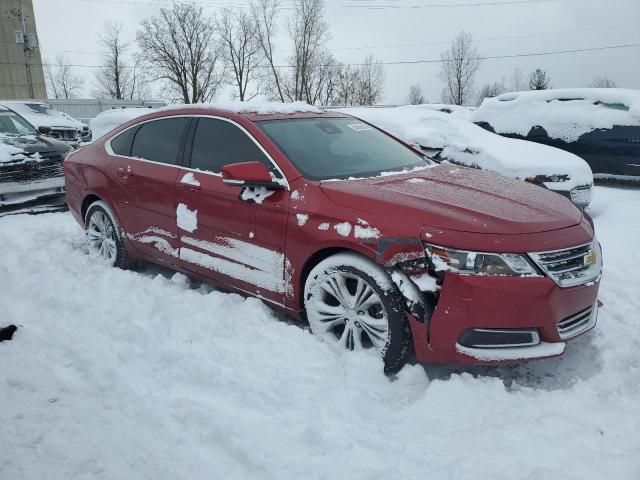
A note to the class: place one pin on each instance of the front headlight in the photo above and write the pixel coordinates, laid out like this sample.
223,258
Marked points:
477,263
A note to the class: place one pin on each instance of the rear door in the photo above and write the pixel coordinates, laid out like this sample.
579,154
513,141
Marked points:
146,166
217,223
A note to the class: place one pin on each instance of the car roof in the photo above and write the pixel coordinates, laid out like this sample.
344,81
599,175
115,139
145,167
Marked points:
252,111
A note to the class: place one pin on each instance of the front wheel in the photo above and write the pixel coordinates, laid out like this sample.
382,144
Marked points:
103,236
352,303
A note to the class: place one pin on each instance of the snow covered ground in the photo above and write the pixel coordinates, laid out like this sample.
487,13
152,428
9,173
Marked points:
142,375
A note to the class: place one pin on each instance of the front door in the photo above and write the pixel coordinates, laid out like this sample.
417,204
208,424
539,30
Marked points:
217,223
145,167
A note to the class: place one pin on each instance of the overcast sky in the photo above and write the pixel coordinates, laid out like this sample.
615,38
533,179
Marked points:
404,30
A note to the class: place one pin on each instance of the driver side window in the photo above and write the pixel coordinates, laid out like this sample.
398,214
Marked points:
217,143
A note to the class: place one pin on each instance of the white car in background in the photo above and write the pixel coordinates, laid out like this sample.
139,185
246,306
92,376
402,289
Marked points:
445,136
106,121
51,122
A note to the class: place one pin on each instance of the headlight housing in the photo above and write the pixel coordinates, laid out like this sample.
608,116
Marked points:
479,263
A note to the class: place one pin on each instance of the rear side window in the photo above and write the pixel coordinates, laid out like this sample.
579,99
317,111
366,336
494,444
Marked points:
159,140
217,143
121,144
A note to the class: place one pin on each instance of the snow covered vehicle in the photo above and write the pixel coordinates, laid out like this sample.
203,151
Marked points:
31,167
51,122
106,121
447,136
601,125
332,219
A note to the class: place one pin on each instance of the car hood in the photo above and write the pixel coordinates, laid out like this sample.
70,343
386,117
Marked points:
458,198
16,148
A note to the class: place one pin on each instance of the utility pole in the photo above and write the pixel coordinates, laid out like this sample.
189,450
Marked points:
27,47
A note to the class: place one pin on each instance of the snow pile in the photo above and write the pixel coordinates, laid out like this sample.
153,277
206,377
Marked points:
462,142
258,107
135,374
565,114
457,110
108,120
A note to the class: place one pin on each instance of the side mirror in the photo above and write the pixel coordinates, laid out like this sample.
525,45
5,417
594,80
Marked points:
249,174
44,130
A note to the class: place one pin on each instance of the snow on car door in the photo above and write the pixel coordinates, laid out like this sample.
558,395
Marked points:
216,222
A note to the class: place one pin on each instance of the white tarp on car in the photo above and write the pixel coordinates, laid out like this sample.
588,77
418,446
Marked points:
467,144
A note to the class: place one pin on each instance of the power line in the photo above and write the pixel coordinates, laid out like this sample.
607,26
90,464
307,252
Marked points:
435,60
368,6
422,44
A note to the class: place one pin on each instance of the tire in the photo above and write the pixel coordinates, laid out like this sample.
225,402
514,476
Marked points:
104,237
353,304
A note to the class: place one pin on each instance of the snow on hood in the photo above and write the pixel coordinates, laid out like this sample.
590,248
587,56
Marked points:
106,121
259,107
565,114
9,153
43,115
468,144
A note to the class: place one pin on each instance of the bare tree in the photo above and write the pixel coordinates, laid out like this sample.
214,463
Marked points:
371,81
459,66
180,46
415,95
602,82
538,80
309,33
60,79
517,81
346,86
264,13
116,78
491,90
241,48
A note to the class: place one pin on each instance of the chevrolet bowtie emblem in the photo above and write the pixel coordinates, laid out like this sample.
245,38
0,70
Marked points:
591,258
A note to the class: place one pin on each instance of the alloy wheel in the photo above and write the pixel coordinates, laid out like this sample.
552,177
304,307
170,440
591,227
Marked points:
101,236
348,311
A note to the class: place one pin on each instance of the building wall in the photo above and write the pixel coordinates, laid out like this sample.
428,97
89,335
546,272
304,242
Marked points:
13,72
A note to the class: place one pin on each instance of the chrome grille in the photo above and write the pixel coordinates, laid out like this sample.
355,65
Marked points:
32,170
64,134
578,323
571,266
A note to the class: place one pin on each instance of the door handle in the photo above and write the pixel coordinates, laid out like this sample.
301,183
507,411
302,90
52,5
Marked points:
124,172
189,187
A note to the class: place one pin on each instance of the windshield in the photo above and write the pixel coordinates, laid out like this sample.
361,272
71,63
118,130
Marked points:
324,148
13,124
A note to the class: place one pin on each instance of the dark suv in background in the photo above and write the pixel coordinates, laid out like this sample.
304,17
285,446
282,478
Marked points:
601,125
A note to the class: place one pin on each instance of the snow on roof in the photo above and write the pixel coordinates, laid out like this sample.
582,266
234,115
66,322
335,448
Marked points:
42,114
565,114
259,107
108,120
467,144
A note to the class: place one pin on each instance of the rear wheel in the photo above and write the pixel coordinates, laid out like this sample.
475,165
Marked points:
352,303
103,236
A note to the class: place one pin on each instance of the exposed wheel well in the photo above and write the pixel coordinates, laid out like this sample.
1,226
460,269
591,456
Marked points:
88,200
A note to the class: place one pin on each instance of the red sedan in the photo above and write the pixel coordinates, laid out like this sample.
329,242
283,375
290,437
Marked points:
330,218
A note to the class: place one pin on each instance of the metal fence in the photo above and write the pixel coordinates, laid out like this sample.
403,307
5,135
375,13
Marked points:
86,109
